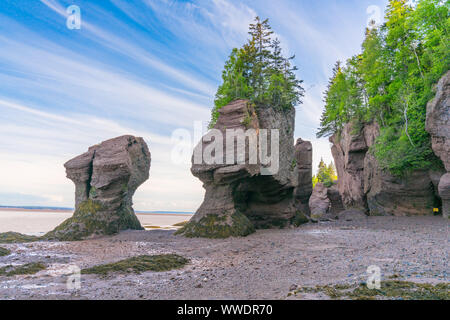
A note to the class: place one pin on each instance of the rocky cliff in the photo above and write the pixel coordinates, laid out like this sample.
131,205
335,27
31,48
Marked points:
438,125
349,150
105,178
363,185
249,194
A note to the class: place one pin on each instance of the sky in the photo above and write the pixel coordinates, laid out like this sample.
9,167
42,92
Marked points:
147,68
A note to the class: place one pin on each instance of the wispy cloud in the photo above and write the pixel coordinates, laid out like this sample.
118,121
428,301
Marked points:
132,50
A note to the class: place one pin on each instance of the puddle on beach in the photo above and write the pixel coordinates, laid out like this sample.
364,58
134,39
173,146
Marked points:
318,231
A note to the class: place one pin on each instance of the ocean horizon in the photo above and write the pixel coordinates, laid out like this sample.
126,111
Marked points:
50,209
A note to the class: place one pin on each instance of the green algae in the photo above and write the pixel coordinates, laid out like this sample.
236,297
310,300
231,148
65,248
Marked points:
181,224
299,219
83,223
390,289
140,264
216,227
26,269
4,252
88,220
15,237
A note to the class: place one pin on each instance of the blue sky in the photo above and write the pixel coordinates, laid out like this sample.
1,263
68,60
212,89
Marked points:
146,68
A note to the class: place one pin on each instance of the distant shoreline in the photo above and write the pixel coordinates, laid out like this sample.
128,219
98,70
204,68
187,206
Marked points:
37,210
156,213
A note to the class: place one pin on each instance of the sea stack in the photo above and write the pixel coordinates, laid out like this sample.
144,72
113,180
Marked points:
242,196
105,178
304,160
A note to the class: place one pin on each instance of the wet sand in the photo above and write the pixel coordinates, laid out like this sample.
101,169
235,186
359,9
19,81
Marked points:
265,265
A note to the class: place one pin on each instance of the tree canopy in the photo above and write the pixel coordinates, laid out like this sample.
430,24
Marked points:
391,81
326,174
260,73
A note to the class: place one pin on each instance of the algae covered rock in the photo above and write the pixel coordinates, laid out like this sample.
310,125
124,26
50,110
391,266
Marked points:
251,179
105,178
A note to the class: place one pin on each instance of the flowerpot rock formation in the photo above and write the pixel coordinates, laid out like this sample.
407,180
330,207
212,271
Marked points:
252,193
105,178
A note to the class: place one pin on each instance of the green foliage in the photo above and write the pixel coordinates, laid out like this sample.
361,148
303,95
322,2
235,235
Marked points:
326,174
259,72
139,264
391,81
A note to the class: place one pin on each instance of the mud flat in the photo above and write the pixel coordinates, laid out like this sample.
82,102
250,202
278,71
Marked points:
270,264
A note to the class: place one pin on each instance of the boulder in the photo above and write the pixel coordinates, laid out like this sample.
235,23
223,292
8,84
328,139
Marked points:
105,179
303,158
319,204
250,193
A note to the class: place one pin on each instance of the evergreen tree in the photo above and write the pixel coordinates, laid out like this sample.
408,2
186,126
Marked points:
259,72
325,174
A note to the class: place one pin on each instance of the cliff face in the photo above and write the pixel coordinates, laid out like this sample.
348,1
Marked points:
242,196
349,151
105,179
438,125
363,185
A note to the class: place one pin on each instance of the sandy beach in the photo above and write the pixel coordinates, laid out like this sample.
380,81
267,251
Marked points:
39,222
266,265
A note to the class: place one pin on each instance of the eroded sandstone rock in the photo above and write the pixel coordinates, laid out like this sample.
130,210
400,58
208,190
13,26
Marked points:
438,120
364,186
336,204
349,151
438,125
303,157
319,203
242,196
444,192
105,178
386,194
